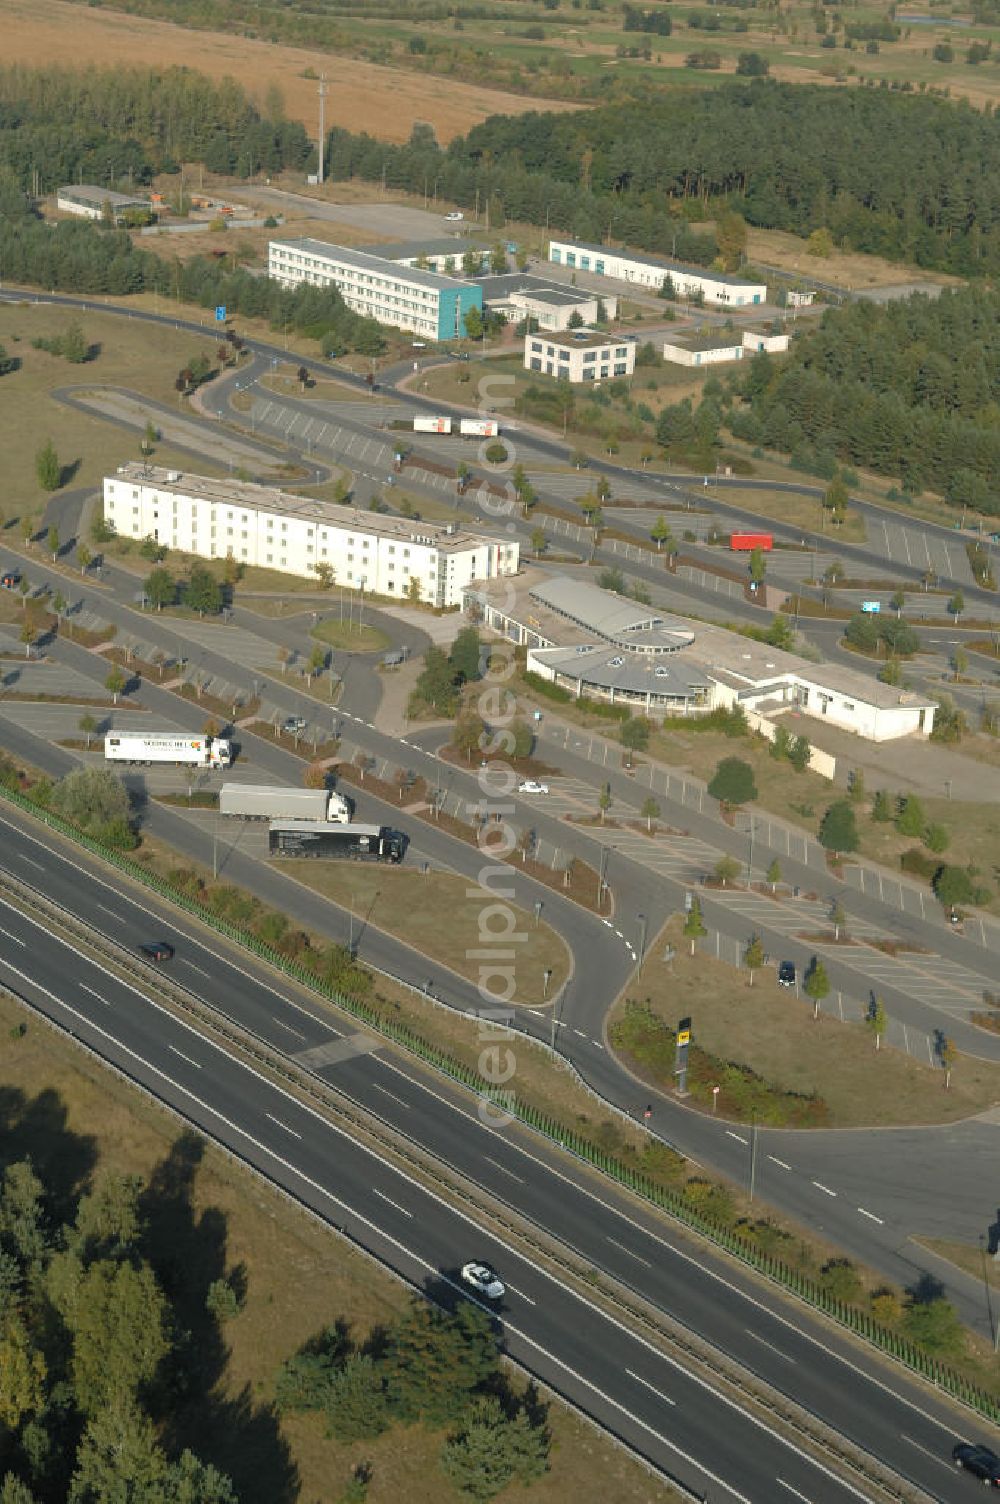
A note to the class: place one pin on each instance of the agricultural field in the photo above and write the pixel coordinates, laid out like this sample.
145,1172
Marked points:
493,56
37,31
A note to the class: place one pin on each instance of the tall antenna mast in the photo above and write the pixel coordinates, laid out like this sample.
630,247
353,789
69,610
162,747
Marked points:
322,125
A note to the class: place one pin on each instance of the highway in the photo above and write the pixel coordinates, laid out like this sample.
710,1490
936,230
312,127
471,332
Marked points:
681,1422
958,1160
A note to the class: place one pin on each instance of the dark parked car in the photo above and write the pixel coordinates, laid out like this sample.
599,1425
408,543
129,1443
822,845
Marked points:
786,974
10,579
294,725
156,950
979,1461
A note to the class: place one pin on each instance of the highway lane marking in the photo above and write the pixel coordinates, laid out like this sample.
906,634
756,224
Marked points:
278,1123
871,1216
638,1257
93,878
805,1499
738,1136
775,1160
105,910
520,1293
386,1092
549,1169
503,1168
181,1053
12,937
824,1188
199,969
282,1025
647,1385
926,1451
423,1263
100,999
764,1343
383,1197
30,860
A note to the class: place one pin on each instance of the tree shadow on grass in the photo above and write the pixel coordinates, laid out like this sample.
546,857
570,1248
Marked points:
187,1248
36,1128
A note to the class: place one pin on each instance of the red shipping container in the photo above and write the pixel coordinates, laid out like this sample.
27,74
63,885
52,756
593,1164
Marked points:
745,542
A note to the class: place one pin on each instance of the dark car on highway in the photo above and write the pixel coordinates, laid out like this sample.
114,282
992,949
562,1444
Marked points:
156,950
979,1461
786,974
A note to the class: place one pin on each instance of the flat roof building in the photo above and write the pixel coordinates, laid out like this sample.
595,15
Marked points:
444,255
420,302
88,201
579,355
652,272
299,535
603,646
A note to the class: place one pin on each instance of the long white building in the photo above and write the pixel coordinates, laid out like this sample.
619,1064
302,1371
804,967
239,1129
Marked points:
261,525
653,271
422,302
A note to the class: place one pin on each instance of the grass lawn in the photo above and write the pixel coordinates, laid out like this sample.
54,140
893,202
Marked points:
142,358
767,1028
432,913
351,636
975,837
73,1117
798,511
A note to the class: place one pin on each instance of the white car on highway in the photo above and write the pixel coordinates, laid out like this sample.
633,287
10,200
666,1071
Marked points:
529,786
454,216
484,1280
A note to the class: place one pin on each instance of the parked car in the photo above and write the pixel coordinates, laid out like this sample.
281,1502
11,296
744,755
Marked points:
156,950
454,216
484,1280
529,786
10,579
293,725
458,354
786,974
979,1461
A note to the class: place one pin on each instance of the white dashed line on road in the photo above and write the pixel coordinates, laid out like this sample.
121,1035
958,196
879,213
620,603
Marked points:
284,1126
173,1048
503,1169
638,1258
100,999
775,1160
737,1136
764,1343
383,1197
824,1188
871,1216
647,1385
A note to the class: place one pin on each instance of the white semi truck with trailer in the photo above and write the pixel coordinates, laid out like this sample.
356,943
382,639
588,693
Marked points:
260,802
167,747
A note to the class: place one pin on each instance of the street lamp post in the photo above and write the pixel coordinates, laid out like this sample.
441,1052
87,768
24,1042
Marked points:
546,979
642,942
750,858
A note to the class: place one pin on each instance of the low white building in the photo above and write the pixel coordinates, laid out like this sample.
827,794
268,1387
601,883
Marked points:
653,271
580,355
757,342
799,298
423,303
594,643
261,525
703,349
88,200
448,255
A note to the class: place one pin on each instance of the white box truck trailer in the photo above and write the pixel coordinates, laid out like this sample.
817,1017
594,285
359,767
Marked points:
481,428
432,425
167,747
263,802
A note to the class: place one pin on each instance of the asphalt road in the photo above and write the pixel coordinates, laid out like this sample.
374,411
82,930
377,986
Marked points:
967,1178
682,1423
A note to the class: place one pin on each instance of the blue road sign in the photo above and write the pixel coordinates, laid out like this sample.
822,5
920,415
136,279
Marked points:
872,606
220,314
